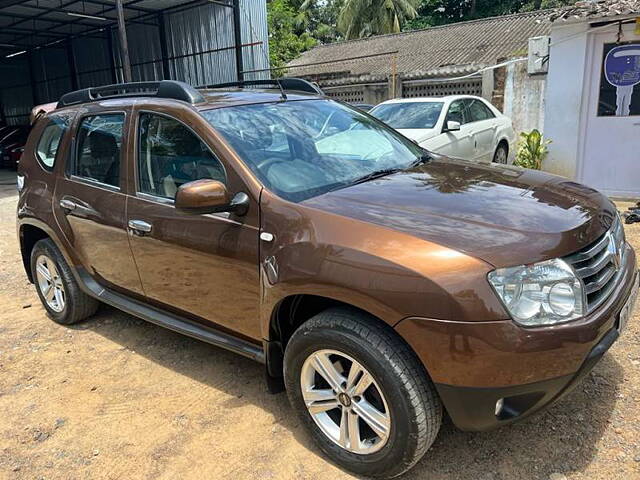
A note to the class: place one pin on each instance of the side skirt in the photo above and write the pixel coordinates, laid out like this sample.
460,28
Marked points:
170,321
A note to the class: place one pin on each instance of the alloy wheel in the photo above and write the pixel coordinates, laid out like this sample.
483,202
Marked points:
500,156
50,283
345,401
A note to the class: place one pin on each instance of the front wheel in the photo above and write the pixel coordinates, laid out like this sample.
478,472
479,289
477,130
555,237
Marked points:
362,393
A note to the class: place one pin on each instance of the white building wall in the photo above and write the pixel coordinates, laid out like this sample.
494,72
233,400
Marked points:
524,98
564,97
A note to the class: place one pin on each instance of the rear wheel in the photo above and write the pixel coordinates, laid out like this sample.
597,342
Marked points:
501,155
361,392
57,288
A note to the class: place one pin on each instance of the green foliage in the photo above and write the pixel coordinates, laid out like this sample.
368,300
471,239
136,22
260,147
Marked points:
297,25
362,18
287,37
532,150
441,12
532,5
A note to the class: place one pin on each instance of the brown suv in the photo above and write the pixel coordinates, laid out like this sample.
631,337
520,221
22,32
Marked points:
377,282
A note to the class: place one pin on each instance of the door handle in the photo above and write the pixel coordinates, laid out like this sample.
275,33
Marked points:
139,227
68,204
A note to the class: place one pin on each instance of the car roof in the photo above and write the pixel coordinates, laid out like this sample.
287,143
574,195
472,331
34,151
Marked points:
446,99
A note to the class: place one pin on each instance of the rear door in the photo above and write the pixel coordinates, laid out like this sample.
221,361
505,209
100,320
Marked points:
483,125
89,202
200,265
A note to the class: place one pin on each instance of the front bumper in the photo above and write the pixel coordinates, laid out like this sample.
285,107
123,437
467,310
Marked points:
474,364
473,409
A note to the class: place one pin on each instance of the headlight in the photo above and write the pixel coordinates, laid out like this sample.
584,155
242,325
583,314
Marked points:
544,293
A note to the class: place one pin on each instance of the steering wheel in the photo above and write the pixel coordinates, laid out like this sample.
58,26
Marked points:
266,163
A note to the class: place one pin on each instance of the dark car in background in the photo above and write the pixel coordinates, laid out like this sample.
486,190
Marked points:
12,140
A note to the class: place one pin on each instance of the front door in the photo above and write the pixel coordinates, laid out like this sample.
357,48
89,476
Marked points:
89,204
201,265
459,143
610,157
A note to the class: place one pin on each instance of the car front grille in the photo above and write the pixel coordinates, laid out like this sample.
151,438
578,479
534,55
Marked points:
600,265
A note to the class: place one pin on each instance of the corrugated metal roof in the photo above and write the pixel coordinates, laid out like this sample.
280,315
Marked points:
597,8
433,52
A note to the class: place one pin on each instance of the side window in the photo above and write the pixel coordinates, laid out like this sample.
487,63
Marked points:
457,112
170,155
99,145
50,141
479,111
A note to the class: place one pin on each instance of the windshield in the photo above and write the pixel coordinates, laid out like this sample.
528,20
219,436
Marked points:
409,115
301,149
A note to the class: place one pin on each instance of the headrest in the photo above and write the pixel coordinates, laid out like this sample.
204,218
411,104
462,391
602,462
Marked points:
102,144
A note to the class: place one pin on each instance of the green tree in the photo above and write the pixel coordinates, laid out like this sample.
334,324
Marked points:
441,12
297,25
288,36
362,18
543,4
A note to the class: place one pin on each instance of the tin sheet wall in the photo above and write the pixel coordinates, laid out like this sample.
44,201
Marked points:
200,49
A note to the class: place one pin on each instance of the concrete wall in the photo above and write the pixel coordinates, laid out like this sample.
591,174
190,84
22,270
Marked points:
524,98
564,98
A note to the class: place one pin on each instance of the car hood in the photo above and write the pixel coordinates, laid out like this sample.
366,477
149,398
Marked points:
503,215
419,135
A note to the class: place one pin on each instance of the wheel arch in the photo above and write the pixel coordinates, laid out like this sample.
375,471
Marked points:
293,311
30,231
504,141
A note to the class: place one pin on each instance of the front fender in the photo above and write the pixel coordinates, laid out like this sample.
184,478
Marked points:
388,273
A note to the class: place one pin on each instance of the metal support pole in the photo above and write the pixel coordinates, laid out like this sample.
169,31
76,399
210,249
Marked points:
112,61
124,44
237,34
166,73
71,59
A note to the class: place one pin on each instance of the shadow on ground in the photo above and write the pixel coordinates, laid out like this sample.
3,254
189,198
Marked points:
561,439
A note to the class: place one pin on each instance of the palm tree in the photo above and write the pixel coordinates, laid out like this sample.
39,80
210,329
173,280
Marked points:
361,18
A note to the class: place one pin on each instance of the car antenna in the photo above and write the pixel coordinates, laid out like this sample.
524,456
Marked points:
283,95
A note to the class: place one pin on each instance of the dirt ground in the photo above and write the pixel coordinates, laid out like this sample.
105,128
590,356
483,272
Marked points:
118,398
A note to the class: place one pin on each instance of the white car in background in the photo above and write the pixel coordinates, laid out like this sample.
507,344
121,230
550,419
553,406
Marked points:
460,126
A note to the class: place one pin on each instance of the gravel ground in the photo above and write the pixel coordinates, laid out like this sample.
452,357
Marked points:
117,398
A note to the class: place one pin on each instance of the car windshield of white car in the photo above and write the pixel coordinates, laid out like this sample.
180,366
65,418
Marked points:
409,115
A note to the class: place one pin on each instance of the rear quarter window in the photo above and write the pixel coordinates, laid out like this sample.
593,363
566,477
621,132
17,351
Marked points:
49,142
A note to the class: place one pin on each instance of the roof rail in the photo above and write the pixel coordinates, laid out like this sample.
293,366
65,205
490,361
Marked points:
162,89
285,83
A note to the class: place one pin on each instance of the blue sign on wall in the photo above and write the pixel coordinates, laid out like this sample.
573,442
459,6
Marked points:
621,69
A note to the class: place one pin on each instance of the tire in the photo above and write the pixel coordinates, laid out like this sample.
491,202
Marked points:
414,412
501,154
76,305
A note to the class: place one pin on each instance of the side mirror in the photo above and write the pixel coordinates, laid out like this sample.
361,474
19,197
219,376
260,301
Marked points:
209,196
452,126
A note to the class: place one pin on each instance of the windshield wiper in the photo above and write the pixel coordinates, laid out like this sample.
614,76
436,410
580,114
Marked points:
422,159
426,157
375,174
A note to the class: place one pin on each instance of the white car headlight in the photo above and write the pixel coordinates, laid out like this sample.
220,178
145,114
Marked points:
544,293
